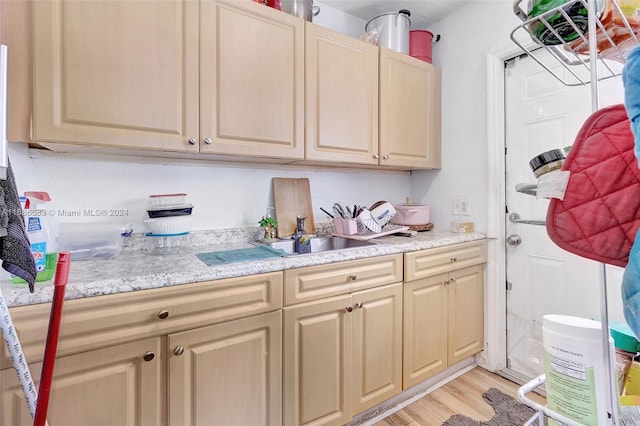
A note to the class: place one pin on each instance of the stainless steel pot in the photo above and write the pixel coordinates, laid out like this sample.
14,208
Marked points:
301,8
393,30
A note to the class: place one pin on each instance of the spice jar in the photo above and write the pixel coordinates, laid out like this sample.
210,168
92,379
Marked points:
547,162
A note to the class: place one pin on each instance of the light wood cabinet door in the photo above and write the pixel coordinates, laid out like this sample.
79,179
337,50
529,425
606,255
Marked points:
425,329
227,374
341,97
410,112
251,80
377,345
317,362
110,386
465,313
16,33
116,73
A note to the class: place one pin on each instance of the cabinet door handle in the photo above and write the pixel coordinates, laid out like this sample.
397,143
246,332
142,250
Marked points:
192,141
178,350
353,277
446,282
454,259
349,308
208,141
386,157
453,279
359,305
376,156
163,314
149,356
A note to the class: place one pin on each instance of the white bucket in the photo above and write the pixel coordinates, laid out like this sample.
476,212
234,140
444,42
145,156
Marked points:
576,374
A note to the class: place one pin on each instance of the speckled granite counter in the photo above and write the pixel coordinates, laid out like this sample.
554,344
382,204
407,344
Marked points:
135,269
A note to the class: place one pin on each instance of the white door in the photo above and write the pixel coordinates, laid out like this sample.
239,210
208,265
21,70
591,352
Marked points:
543,114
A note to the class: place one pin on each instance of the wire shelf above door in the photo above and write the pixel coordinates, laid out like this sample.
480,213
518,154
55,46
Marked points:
558,40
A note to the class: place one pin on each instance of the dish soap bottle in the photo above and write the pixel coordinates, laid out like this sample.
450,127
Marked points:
301,238
42,232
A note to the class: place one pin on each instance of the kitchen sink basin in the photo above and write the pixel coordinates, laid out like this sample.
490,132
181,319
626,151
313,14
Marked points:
321,244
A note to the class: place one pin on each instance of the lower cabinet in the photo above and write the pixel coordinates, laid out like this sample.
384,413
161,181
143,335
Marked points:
119,385
342,355
443,322
227,374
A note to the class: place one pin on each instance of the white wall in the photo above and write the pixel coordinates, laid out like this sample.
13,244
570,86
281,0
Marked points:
466,37
225,196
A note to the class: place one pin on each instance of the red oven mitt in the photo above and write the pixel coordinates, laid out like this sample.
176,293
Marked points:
600,213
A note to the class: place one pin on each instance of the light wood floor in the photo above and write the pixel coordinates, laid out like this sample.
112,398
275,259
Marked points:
460,396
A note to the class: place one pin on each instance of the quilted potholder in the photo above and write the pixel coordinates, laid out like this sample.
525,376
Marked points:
600,213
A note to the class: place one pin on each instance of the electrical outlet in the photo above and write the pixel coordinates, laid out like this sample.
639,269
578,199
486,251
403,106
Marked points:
461,206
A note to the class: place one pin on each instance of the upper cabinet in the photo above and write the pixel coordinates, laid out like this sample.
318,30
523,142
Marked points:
368,105
171,75
232,79
16,33
252,80
341,75
116,73
410,112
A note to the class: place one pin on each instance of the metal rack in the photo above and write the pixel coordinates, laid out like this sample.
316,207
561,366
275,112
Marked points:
576,59
568,58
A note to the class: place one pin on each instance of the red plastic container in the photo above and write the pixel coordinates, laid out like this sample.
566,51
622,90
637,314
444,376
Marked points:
420,44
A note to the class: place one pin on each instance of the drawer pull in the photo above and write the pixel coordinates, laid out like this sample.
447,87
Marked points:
178,350
349,308
353,277
163,314
149,356
454,259
359,305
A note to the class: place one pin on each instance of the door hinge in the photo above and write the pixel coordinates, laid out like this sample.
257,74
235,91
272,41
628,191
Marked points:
509,285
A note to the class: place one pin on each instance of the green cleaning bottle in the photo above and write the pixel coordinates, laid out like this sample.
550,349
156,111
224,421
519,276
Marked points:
42,232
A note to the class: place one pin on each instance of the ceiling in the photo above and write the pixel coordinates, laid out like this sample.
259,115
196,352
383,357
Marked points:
423,12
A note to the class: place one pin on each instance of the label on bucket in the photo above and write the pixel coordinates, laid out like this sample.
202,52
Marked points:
571,387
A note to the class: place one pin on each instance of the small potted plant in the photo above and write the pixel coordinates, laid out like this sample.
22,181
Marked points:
269,224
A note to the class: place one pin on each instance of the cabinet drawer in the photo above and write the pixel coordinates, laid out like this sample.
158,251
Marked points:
316,282
105,320
425,263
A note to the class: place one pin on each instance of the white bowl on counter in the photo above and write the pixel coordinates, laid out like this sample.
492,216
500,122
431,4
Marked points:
169,225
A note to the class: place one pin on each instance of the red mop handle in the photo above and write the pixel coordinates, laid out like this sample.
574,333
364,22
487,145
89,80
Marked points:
44,390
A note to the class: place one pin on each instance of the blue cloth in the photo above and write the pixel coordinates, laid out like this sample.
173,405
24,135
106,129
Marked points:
631,277
631,288
631,82
240,255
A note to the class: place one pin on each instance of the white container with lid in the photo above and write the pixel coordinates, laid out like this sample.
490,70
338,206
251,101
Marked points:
392,29
576,374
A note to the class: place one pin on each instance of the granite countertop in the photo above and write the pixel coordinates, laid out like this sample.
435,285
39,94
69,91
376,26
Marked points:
136,269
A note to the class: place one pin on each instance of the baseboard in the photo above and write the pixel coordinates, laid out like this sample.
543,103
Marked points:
414,393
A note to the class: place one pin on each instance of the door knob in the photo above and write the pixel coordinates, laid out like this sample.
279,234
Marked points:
514,240
149,356
178,350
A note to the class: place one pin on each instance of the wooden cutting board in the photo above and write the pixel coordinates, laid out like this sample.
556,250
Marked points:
292,198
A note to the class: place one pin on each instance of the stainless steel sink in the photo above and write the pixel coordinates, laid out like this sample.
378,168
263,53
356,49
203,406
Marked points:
322,244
